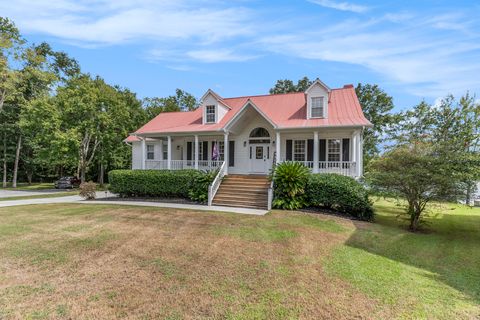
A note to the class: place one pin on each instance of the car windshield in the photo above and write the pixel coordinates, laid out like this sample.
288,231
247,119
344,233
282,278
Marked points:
65,179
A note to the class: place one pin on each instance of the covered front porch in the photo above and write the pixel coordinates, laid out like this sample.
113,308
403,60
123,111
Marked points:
255,153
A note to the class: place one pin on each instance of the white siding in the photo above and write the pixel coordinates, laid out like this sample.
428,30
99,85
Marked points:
136,155
317,91
220,109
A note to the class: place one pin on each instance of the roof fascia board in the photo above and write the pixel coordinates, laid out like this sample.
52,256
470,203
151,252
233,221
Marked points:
235,118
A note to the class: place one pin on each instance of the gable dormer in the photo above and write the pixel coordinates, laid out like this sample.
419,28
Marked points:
317,100
214,109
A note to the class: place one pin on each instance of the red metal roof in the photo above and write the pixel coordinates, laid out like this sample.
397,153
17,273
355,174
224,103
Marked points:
283,110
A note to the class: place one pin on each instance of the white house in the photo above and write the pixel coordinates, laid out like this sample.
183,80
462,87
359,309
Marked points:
320,127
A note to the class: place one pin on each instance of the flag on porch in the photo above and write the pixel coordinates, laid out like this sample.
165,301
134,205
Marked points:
215,154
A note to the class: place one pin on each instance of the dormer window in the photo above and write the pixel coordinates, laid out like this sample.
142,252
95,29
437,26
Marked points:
317,107
210,114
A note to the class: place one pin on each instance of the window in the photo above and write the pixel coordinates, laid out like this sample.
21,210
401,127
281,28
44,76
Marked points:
317,107
299,150
150,152
210,114
165,150
221,150
334,150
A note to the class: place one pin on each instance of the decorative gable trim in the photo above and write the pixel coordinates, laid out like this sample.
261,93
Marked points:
318,82
249,102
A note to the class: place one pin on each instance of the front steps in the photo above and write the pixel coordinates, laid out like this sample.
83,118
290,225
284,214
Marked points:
244,191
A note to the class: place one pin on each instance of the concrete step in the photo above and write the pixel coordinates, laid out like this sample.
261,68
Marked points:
241,204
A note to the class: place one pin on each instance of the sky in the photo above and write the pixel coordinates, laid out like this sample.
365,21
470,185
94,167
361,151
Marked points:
414,50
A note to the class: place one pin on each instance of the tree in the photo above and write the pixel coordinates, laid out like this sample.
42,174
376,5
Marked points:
414,171
287,86
452,128
181,101
377,106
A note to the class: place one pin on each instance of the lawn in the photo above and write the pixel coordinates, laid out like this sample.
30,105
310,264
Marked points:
96,261
42,196
31,187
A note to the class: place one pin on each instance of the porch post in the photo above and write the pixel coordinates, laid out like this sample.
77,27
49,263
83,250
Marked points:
142,141
315,152
225,151
278,145
360,153
354,153
169,152
196,152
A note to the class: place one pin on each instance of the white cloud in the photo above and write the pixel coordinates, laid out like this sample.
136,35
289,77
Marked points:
114,22
220,55
343,6
426,63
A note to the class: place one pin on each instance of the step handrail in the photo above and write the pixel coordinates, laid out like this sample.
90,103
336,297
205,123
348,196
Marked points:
213,188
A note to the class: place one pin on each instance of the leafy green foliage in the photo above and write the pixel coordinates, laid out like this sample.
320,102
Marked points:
199,189
340,193
287,86
289,179
416,173
377,106
188,184
181,101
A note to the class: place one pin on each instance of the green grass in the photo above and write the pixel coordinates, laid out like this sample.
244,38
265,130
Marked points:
123,261
31,187
434,273
41,196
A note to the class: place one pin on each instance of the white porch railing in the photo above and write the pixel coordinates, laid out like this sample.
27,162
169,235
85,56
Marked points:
346,168
182,164
213,188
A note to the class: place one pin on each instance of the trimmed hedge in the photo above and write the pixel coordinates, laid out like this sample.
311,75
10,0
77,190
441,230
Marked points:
155,183
340,193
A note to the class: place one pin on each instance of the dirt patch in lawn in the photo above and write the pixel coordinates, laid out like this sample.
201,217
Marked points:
99,262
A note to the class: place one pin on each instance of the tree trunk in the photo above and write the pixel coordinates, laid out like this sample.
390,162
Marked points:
17,159
29,177
101,179
82,173
4,184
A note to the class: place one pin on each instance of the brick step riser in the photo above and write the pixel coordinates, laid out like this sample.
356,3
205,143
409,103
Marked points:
241,206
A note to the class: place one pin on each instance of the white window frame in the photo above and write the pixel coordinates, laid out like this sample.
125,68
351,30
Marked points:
294,152
314,106
164,150
221,150
210,113
339,153
150,152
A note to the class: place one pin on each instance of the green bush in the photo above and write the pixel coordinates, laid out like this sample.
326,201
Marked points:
289,179
153,183
199,188
340,193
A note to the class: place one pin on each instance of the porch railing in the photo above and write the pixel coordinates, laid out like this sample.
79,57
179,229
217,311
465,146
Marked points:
213,188
346,168
182,164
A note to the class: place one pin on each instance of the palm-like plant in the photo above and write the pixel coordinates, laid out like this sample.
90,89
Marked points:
289,180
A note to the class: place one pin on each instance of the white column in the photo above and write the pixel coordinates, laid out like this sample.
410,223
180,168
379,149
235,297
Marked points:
225,151
169,152
315,152
278,145
360,153
144,151
196,152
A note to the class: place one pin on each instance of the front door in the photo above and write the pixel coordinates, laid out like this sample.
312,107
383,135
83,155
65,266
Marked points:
259,158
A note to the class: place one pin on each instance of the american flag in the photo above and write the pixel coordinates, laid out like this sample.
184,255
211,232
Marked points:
215,154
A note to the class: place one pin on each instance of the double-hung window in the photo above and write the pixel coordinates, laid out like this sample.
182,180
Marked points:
299,150
210,114
221,150
165,150
334,153
150,152
317,109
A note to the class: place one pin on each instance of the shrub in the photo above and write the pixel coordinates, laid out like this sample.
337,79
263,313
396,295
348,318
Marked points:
188,184
88,190
289,180
339,193
199,188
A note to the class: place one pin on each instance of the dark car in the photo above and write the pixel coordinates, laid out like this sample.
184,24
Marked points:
67,183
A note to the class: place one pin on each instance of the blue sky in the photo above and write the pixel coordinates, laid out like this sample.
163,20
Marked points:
413,49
